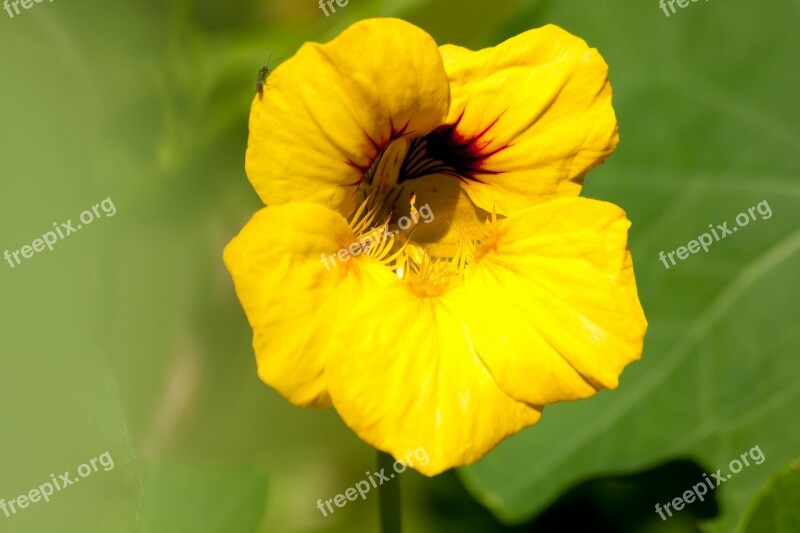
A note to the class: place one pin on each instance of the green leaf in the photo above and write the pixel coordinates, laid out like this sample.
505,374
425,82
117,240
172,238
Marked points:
708,130
777,507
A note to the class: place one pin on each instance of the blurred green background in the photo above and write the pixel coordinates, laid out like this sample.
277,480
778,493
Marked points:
128,338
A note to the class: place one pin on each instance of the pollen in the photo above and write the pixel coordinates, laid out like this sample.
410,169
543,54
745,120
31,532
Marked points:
433,276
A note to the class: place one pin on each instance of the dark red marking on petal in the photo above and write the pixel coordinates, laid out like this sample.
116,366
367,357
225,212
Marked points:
378,147
445,151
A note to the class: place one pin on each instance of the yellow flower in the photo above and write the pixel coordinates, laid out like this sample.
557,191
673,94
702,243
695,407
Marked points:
424,264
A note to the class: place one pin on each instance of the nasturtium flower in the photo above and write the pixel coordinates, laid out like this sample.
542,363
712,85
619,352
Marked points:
424,263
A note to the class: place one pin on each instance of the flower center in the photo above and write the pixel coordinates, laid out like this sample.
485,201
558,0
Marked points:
415,186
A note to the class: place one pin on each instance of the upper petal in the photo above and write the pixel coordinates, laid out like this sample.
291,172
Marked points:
535,112
551,301
412,379
293,298
326,112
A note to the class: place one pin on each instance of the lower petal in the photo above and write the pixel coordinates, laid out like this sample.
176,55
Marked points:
551,301
413,380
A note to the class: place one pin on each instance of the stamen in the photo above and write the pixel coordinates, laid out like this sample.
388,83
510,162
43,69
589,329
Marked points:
375,241
432,276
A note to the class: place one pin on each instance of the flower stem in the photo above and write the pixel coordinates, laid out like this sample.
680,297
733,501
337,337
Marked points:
389,496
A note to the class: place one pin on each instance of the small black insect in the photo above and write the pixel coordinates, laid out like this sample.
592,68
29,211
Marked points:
262,78
263,74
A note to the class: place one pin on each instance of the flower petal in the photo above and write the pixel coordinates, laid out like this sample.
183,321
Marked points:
326,112
551,301
534,112
292,299
412,379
